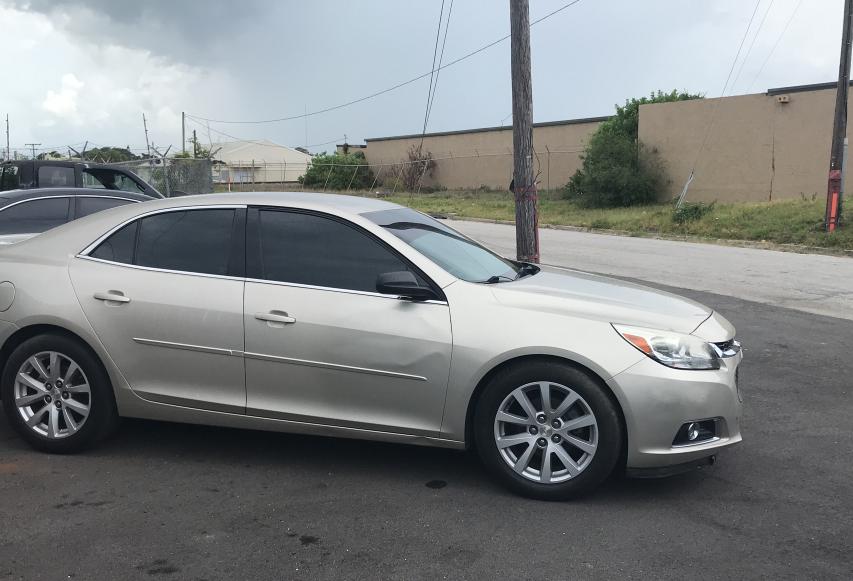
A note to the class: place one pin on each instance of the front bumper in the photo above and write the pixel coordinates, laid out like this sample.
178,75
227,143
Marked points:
658,400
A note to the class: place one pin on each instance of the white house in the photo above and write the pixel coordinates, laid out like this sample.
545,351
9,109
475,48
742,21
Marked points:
257,161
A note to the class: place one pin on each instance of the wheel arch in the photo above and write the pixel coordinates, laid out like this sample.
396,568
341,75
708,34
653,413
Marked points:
484,381
23,334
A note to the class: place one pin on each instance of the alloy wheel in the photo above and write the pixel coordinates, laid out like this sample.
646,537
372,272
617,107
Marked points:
52,394
546,432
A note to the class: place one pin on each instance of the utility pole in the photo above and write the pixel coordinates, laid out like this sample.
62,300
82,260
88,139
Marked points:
839,126
8,148
523,178
195,145
33,145
184,131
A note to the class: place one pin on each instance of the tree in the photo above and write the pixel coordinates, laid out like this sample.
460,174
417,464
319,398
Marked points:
617,169
108,154
338,172
418,165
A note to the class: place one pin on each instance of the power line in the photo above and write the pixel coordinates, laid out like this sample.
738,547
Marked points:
726,85
432,69
440,60
752,44
389,89
717,106
775,45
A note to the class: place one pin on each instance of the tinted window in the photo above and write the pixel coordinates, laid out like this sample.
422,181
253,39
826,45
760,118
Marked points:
191,241
90,205
34,217
119,247
10,180
110,180
56,177
308,249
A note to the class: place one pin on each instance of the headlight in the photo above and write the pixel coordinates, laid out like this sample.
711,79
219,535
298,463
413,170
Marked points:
670,348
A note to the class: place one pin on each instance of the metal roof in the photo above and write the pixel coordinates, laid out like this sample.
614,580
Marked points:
499,128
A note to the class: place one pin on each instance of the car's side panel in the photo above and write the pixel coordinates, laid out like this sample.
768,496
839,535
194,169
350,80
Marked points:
179,338
487,333
347,359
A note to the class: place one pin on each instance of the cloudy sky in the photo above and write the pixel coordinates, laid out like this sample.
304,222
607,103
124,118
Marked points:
78,70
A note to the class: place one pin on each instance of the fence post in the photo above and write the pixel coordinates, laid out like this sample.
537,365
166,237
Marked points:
331,167
353,177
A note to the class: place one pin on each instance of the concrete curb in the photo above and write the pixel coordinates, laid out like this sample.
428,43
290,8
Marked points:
795,248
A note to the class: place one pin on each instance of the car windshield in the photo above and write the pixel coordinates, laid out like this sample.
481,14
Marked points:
452,251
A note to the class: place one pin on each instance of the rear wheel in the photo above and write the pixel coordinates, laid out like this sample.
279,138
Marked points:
547,430
56,394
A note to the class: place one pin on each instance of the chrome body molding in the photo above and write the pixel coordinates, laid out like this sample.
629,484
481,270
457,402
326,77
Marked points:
275,358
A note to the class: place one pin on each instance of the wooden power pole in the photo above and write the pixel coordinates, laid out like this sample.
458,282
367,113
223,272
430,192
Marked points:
839,125
523,177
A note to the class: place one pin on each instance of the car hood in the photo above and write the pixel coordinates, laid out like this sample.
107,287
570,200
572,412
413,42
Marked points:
8,239
573,292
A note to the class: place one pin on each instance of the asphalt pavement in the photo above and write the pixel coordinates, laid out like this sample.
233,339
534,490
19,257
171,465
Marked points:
813,283
166,501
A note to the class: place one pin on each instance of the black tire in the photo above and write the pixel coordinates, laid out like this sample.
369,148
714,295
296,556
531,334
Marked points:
609,428
102,418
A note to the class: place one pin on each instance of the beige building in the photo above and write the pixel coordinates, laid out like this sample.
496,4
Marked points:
759,147
257,161
483,157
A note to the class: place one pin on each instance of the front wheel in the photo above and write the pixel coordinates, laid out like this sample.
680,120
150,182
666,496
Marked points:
56,395
547,430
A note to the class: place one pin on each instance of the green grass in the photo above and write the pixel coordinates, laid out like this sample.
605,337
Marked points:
784,222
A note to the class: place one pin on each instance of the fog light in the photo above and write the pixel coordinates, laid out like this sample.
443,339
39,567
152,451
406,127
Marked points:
697,432
692,431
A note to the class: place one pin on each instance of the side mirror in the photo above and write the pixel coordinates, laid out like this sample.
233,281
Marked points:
404,285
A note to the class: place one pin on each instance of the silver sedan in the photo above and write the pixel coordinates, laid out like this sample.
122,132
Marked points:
353,317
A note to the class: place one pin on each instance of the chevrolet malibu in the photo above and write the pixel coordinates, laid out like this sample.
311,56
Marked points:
353,317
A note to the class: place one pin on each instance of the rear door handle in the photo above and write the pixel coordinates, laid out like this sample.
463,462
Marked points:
276,317
112,297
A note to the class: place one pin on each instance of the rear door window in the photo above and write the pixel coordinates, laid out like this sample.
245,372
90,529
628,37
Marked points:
35,216
89,205
51,176
195,241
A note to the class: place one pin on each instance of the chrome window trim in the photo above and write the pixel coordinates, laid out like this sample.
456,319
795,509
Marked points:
19,202
88,249
252,280
163,270
337,290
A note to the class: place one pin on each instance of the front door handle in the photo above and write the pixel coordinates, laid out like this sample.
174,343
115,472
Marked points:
276,317
112,297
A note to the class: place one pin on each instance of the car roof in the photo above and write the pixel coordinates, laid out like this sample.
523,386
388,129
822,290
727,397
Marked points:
13,196
308,200
61,163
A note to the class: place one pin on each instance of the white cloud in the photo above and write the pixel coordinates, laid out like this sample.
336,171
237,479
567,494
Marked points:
64,102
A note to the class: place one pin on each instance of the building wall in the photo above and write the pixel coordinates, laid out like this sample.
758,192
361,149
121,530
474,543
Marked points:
758,149
470,159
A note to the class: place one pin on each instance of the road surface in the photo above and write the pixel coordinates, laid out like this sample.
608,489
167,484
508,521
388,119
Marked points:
813,283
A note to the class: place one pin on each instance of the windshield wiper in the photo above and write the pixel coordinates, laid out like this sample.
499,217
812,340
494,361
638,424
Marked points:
526,269
496,279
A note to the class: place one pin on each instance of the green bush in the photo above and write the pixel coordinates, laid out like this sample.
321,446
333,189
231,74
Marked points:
691,212
617,169
338,172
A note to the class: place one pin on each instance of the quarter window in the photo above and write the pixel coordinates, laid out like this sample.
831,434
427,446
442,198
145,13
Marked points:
91,205
197,241
318,251
35,216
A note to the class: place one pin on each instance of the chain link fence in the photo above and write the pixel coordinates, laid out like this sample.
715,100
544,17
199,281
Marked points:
174,177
